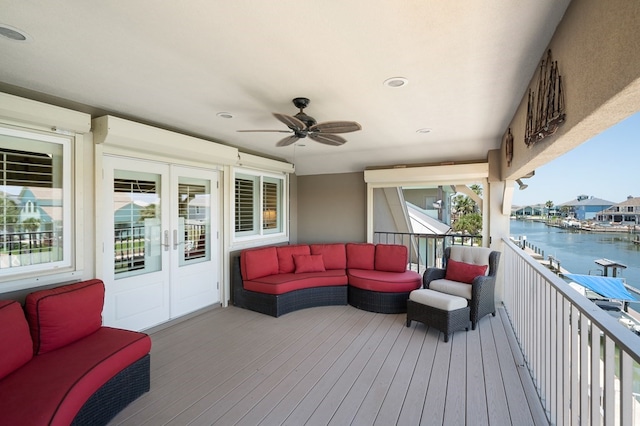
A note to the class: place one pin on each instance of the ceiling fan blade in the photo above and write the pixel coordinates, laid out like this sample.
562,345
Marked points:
277,131
336,127
328,139
291,122
288,141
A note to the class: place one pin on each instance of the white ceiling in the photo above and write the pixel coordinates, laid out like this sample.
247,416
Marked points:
176,64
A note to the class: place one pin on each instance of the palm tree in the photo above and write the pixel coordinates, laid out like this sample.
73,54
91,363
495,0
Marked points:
548,205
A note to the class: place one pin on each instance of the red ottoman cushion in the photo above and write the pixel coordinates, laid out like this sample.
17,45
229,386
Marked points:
16,348
62,315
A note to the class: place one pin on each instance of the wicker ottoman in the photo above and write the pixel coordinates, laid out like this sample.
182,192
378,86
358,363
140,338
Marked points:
442,311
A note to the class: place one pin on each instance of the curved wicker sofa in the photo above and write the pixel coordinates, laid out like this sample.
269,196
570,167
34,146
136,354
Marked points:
60,366
276,280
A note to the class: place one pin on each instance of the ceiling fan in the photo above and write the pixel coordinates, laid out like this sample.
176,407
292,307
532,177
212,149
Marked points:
302,125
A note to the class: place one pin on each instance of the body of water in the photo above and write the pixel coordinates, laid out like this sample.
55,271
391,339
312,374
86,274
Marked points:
577,250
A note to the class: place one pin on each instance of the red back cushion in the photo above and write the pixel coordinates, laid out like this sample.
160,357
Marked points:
308,263
16,347
333,255
464,272
391,258
360,256
62,315
256,263
285,257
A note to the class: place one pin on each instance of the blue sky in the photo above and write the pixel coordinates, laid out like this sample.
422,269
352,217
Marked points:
606,166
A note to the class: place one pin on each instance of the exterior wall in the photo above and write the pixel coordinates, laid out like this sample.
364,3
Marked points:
331,208
596,49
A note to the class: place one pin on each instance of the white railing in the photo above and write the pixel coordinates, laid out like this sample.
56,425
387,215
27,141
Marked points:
578,383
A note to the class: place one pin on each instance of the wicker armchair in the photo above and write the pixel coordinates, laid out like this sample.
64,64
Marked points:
481,292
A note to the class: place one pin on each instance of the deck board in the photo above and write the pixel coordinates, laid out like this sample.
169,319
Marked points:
331,365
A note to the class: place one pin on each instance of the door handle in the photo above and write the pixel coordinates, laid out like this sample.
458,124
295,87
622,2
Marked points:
166,240
175,239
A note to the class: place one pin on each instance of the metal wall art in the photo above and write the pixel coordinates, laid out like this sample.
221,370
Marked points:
508,142
545,110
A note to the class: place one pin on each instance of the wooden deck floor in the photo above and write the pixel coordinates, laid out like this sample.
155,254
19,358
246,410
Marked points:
332,365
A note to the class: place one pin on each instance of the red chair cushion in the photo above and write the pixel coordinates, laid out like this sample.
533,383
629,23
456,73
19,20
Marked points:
308,263
286,264
16,348
391,258
284,283
333,255
360,256
62,315
256,263
463,272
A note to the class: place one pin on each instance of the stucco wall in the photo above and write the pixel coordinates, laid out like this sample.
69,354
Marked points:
596,46
331,208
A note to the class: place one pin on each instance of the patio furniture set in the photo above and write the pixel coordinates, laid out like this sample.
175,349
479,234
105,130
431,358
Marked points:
276,280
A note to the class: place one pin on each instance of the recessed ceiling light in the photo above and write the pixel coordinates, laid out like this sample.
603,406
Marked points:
12,33
423,130
396,82
224,115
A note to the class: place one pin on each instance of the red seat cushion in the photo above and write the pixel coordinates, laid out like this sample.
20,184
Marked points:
464,272
286,265
64,314
260,262
385,282
360,256
284,283
334,255
52,387
391,257
16,347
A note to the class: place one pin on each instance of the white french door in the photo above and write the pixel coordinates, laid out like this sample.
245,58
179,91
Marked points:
161,256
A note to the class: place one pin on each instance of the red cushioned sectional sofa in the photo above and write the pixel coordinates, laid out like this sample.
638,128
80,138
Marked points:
60,366
276,280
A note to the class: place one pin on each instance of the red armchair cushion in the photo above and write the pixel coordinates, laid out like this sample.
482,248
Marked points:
16,348
391,258
308,263
360,256
333,255
286,264
463,272
62,315
258,263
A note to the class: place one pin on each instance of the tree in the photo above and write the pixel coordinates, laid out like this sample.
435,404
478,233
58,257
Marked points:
548,205
9,212
148,212
470,223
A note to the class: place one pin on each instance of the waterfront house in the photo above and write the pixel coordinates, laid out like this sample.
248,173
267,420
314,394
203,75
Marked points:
149,97
585,207
624,213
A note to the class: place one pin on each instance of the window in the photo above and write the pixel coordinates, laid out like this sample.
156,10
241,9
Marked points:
35,201
258,205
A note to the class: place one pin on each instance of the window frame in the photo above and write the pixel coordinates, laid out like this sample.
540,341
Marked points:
260,234
28,276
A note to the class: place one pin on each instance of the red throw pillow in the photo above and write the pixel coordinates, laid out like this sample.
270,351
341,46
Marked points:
16,348
308,263
464,272
285,257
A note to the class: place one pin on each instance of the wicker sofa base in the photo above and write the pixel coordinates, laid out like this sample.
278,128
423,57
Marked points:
380,302
445,321
116,394
280,304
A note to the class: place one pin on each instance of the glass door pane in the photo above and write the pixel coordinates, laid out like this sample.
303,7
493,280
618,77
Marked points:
194,215
137,223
